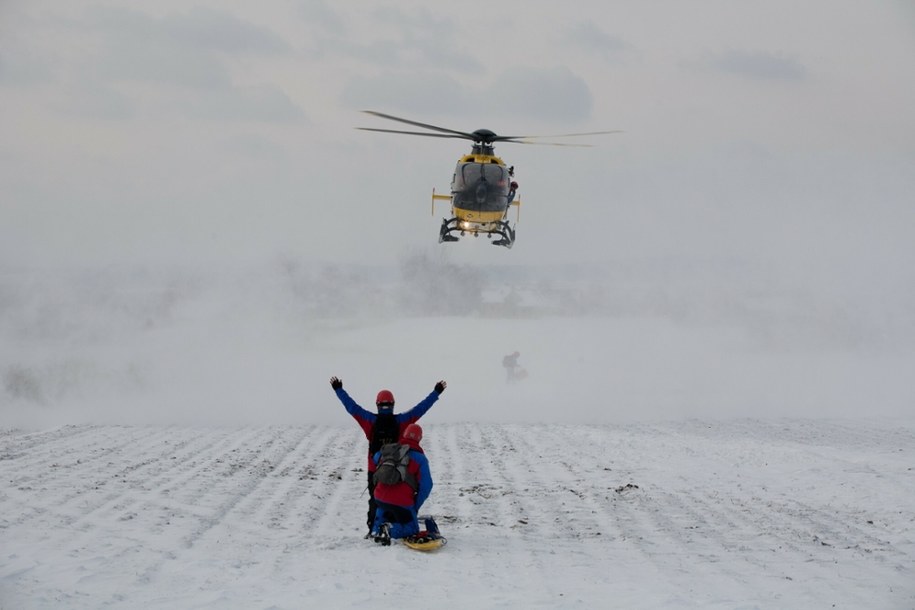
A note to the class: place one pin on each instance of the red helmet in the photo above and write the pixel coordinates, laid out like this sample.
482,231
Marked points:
412,433
385,397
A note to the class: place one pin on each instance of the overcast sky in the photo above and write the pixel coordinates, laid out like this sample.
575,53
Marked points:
223,130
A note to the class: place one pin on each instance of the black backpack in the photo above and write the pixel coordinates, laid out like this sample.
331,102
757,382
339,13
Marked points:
386,430
392,467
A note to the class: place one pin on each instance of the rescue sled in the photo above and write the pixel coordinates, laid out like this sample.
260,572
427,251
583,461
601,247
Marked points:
424,541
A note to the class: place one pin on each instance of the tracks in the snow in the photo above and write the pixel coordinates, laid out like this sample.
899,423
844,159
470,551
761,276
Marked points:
730,502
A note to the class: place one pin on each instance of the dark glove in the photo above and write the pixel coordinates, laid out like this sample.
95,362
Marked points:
335,383
440,386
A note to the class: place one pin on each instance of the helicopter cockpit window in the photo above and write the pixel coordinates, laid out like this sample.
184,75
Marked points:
472,173
481,186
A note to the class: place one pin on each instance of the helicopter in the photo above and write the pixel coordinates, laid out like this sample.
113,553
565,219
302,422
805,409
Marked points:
483,186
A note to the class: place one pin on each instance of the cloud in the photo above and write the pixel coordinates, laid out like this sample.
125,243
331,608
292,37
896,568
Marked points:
417,39
255,146
553,94
186,57
264,103
187,50
221,31
159,64
759,65
405,52
94,102
544,93
318,13
200,28
418,92
22,69
595,40
423,21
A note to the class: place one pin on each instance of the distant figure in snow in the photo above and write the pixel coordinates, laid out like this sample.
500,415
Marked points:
513,372
399,500
382,427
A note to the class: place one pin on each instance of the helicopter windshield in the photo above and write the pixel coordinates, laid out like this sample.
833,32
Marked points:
481,187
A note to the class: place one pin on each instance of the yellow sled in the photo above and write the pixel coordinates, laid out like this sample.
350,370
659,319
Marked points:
425,542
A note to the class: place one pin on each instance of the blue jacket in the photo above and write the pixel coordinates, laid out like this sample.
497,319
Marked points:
366,419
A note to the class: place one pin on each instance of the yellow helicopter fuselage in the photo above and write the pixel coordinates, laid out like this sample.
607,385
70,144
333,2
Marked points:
481,193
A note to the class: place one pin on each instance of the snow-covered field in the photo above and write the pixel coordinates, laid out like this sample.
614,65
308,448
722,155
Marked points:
171,441
738,514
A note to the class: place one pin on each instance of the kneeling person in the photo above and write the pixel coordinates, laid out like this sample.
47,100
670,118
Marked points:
403,482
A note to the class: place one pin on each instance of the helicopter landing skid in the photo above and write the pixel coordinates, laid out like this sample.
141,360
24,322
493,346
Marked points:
500,229
445,233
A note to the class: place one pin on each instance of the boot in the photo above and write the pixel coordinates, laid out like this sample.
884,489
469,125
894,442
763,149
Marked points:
383,536
431,526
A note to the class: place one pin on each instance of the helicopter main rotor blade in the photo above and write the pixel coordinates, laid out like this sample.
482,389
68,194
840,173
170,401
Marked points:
520,139
460,134
549,143
414,133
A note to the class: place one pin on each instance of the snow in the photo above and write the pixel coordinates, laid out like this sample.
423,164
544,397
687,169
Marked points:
171,441
738,514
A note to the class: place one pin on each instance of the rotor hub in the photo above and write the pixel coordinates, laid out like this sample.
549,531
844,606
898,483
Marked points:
484,136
